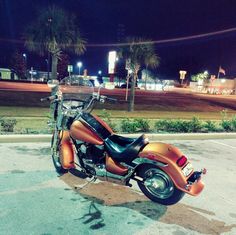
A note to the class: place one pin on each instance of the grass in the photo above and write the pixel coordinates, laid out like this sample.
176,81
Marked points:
30,119
44,113
15,111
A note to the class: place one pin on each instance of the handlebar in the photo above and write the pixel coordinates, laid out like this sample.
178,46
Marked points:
49,98
111,100
103,98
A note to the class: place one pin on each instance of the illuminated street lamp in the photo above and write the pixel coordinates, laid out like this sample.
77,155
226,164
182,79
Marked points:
25,58
79,65
100,72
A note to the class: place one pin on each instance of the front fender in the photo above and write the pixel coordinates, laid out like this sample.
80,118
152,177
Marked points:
66,151
168,155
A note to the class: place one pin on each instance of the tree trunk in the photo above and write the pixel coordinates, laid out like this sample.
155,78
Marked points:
54,67
146,79
132,93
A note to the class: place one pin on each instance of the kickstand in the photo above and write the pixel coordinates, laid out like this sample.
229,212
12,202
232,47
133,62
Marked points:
86,184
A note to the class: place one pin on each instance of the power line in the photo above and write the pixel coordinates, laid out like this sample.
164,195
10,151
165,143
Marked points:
170,40
163,41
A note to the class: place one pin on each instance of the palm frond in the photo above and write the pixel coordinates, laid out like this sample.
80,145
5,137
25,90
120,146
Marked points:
54,26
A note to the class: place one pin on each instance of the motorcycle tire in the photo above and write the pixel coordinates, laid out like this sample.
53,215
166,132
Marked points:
55,149
158,186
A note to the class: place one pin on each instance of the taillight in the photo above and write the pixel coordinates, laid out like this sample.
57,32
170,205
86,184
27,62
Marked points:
181,161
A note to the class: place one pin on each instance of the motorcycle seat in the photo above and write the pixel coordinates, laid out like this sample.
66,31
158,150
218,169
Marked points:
123,149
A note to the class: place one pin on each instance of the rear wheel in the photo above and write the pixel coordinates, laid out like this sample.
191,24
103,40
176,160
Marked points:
158,186
55,151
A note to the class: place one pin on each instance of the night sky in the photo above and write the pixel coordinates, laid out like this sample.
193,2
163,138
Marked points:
101,21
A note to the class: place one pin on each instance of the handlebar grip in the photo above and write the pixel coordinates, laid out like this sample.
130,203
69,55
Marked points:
49,98
112,100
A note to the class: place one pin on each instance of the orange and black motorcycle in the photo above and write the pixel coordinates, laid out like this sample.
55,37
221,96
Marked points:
86,146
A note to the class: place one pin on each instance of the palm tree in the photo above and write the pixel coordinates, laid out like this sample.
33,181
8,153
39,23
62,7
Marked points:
138,52
153,60
53,31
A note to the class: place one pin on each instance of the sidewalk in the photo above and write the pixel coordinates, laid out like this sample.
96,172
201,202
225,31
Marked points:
152,137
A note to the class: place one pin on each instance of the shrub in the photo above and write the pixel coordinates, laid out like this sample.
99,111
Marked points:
226,124
128,126
142,124
172,125
195,125
163,125
7,125
179,126
211,126
233,123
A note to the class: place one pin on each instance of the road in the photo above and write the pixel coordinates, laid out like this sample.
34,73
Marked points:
33,200
29,94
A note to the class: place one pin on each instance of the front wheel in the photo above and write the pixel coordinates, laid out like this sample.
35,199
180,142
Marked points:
55,151
158,186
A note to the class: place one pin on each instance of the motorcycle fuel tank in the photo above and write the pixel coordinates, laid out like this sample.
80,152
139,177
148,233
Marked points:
80,131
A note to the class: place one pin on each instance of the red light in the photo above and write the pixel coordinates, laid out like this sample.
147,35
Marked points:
181,161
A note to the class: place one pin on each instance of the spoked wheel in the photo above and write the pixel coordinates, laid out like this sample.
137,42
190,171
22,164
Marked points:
158,186
55,151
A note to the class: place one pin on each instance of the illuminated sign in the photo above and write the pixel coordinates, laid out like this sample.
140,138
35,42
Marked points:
111,62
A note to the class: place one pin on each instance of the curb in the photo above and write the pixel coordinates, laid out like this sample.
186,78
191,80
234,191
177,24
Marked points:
152,137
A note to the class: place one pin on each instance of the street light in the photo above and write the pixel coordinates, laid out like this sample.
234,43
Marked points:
25,57
79,64
100,72
47,62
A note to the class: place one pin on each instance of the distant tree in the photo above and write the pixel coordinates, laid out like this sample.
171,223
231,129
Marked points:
53,31
18,65
200,77
153,60
138,53
62,66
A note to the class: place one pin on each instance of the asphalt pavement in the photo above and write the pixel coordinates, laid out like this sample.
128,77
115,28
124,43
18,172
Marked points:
34,200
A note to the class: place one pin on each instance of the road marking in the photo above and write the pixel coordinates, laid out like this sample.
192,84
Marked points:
227,145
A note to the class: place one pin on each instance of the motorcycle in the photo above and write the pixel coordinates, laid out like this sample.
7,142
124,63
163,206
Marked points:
86,146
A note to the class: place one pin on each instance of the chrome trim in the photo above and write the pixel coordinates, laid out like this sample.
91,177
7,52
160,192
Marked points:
141,160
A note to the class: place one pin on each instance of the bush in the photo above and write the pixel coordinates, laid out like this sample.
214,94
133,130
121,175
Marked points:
233,123
142,124
172,125
163,125
226,124
211,126
179,126
7,125
195,125
128,126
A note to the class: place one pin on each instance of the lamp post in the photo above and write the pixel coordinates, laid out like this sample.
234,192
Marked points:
25,58
48,67
79,65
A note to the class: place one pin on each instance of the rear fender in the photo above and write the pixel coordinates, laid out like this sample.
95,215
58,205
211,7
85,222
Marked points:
166,157
66,151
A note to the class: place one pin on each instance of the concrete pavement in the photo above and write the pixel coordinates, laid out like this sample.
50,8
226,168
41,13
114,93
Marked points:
33,200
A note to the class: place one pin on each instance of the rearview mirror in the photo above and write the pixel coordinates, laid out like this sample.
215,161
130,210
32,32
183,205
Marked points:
52,83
